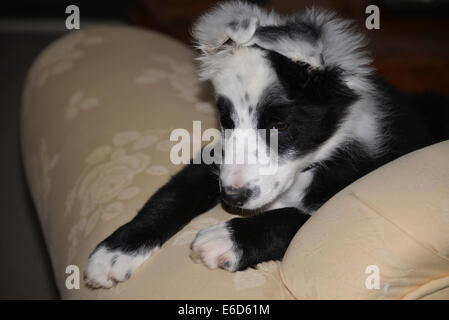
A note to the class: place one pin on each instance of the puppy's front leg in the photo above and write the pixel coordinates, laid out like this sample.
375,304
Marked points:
191,192
244,242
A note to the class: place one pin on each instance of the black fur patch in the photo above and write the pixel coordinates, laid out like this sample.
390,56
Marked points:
225,109
319,102
293,29
265,236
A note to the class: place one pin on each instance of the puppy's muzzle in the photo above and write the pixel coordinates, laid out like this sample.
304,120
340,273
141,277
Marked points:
235,197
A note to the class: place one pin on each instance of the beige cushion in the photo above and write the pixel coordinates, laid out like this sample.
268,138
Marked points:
396,219
98,109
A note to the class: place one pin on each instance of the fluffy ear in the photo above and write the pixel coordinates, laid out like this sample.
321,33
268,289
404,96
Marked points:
225,27
295,39
321,39
237,20
316,37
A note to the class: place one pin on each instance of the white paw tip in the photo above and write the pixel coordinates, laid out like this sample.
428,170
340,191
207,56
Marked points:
214,248
105,268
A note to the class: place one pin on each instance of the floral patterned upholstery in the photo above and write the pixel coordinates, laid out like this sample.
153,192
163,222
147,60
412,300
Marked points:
98,108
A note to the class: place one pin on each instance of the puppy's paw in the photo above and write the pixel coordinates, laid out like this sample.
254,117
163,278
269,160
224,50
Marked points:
214,247
242,31
107,267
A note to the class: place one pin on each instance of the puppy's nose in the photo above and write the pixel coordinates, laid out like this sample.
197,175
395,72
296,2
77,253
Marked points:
235,197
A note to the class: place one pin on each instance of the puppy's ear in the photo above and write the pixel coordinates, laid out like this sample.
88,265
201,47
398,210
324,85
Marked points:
321,40
228,19
294,39
226,26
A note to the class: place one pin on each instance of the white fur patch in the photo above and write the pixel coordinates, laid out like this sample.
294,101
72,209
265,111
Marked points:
107,267
214,248
294,195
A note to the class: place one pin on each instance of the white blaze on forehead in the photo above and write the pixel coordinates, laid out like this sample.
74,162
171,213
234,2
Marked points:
242,78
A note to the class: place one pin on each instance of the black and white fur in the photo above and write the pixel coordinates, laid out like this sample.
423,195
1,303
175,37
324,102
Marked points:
308,76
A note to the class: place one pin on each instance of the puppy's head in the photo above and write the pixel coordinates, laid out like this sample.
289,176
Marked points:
296,77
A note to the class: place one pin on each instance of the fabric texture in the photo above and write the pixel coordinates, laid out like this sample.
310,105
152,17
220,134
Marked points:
394,221
98,109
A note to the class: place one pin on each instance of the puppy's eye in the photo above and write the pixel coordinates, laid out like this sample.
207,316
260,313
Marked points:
279,126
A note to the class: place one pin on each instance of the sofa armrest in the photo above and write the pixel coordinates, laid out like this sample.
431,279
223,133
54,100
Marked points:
394,223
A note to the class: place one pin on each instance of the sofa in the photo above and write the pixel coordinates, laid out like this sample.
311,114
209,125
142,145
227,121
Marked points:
97,111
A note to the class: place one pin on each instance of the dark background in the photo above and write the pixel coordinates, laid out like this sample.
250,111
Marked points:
411,50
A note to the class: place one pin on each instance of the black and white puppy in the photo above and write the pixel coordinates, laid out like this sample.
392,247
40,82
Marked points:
307,76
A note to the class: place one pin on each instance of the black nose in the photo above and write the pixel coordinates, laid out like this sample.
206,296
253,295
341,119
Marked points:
235,197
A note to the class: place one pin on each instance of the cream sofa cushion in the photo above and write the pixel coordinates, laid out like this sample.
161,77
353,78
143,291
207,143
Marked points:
395,220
